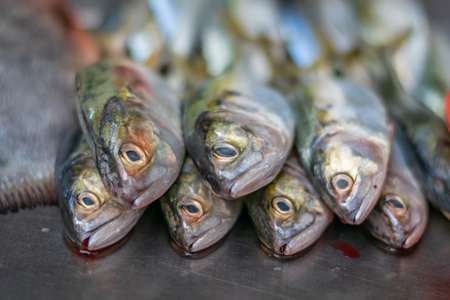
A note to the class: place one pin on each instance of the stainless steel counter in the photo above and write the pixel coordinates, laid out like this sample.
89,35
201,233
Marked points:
35,263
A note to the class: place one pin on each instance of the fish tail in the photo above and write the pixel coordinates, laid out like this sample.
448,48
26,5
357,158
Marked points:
29,196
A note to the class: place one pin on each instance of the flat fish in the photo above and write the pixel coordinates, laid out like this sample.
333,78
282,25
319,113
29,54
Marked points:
40,51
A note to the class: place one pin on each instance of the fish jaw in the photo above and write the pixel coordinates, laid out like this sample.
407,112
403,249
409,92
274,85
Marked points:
212,236
113,231
106,227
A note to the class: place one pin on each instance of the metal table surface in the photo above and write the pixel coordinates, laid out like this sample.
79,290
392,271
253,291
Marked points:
35,262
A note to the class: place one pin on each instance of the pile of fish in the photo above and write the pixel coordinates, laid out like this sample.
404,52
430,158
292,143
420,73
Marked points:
300,111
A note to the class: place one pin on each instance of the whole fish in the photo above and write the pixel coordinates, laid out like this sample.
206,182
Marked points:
93,219
344,140
41,49
132,123
428,136
197,219
238,134
401,215
288,214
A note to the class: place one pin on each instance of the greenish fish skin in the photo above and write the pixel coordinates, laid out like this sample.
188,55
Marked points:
429,137
287,232
344,140
92,218
401,215
238,134
132,123
197,219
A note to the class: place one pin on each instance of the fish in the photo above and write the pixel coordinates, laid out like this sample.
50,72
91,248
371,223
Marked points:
401,215
344,140
288,214
401,26
238,133
93,219
131,120
197,219
428,136
336,23
41,49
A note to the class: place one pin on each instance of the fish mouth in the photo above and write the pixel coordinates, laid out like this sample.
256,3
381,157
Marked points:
110,232
304,239
256,177
367,200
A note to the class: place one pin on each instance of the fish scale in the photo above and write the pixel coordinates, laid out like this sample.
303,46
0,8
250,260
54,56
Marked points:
37,96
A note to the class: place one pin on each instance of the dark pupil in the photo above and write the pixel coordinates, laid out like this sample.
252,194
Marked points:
342,184
283,206
192,209
133,156
337,73
395,203
224,151
88,201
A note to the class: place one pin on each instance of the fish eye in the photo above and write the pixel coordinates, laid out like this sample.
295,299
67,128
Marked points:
192,208
395,204
88,201
225,151
283,205
132,156
342,183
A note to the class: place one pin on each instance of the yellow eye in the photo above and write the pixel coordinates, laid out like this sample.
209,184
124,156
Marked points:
283,206
192,208
395,204
342,183
88,201
225,151
133,157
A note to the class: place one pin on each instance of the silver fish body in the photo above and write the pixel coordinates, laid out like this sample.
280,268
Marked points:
401,215
93,219
288,214
238,134
132,122
41,49
344,141
197,219
430,140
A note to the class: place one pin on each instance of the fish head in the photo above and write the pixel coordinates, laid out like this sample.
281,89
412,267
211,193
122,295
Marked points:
135,161
401,214
351,167
197,219
288,215
92,218
237,154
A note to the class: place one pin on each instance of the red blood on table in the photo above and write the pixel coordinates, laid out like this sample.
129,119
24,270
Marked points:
346,249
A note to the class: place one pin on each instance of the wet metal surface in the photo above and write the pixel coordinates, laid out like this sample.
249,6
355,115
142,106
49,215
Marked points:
35,263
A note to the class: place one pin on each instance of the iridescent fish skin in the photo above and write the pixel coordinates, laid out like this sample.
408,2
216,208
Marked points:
288,214
401,215
197,219
93,219
429,138
132,123
344,141
238,134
